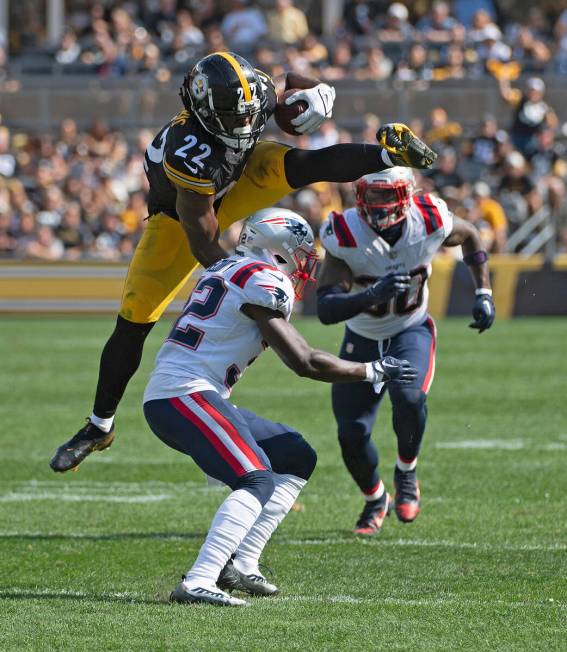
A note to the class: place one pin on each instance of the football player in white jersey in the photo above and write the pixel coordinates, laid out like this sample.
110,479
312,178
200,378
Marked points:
240,306
378,260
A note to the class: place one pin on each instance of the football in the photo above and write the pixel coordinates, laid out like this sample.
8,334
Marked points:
285,113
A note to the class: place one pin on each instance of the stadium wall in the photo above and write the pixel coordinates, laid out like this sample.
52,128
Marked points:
43,102
522,286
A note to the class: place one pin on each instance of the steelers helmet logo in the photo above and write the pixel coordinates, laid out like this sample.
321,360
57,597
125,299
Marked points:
199,86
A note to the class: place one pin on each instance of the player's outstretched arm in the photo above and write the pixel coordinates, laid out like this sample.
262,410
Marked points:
466,234
335,304
306,361
200,223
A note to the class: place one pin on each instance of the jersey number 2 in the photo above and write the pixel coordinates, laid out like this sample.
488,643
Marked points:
204,303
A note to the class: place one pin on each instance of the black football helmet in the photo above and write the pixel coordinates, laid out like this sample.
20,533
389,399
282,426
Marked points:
228,98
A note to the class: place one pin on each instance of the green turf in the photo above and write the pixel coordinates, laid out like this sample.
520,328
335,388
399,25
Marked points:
87,559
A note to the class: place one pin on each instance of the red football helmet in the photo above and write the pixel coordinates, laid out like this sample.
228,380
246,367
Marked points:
383,198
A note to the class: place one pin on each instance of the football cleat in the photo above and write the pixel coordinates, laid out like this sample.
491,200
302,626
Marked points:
89,439
373,516
404,147
407,495
231,579
205,594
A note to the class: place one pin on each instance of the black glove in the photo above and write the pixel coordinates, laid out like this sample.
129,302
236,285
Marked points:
388,369
483,312
387,287
404,147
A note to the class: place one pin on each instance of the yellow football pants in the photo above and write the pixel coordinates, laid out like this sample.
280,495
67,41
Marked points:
163,261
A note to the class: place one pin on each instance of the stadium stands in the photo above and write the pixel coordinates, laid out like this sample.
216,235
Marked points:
78,191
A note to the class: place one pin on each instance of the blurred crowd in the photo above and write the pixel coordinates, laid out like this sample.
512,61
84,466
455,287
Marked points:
82,194
76,195
374,40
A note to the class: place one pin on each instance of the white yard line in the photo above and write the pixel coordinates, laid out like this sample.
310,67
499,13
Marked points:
483,444
423,602
331,541
302,599
15,497
463,545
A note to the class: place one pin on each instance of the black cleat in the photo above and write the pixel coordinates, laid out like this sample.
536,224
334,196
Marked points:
408,497
89,439
373,516
231,579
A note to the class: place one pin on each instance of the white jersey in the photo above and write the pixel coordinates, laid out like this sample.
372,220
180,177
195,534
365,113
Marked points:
348,237
213,341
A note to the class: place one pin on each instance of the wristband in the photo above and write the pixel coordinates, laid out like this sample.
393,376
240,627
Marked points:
372,372
480,291
476,258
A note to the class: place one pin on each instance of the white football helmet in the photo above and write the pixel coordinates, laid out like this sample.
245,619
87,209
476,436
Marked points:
282,238
383,198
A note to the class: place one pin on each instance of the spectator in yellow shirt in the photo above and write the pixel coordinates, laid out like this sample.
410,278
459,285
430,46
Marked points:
287,23
493,214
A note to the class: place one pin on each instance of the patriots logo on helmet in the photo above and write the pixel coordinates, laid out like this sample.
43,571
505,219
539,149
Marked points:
299,230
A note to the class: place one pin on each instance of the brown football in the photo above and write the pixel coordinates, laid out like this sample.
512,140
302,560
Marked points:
285,113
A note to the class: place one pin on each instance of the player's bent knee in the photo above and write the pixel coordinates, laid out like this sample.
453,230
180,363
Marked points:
407,399
302,459
259,483
290,454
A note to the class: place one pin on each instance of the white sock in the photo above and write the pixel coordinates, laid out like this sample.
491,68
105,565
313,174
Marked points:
406,465
287,489
230,525
375,494
103,424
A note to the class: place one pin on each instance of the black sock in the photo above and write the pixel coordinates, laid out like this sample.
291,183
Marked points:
119,361
338,163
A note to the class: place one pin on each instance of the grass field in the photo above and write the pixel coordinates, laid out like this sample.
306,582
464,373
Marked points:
87,559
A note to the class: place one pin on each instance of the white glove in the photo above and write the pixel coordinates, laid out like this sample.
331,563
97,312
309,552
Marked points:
320,99
382,371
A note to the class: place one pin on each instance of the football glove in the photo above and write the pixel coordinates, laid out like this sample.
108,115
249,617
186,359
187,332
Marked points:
387,287
320,101
388,369
404,147
483,312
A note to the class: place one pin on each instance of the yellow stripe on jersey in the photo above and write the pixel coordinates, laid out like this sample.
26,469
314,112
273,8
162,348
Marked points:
188,177
202,188
243,81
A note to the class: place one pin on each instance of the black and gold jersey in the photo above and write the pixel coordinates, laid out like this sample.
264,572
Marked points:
183,154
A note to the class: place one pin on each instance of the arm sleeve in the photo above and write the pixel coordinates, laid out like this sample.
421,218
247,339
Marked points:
335,305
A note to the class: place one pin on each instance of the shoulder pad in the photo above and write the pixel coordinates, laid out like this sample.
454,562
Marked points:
265,285
342,231
433,211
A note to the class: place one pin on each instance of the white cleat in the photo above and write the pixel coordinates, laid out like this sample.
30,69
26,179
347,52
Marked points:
205,594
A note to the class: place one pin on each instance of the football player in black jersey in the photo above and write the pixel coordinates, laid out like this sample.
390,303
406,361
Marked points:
207,169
